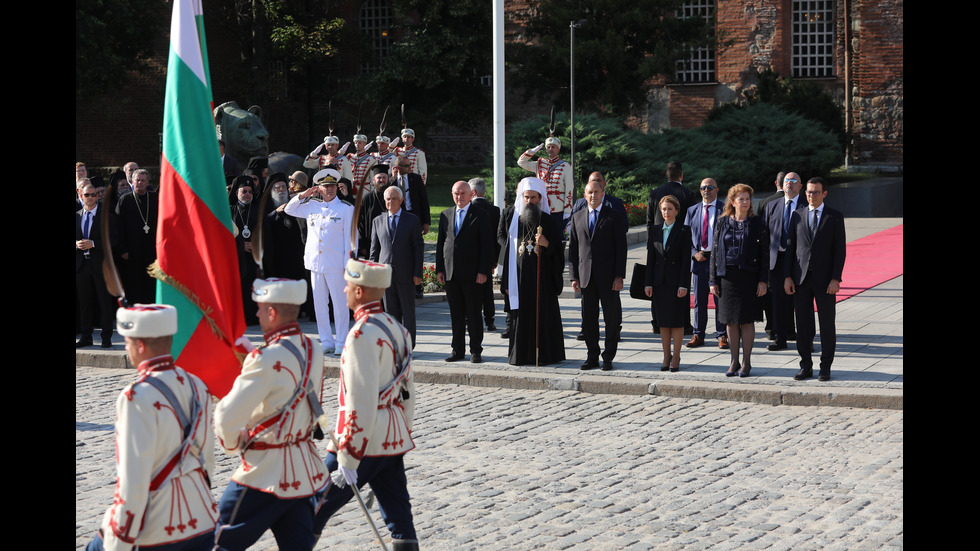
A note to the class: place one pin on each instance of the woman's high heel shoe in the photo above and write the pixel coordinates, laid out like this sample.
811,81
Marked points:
732,370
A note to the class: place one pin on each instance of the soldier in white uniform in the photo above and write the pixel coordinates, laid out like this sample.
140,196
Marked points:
386,153
557,176
414,154
164,445
334,155
362,162
327,249
376,408
268,419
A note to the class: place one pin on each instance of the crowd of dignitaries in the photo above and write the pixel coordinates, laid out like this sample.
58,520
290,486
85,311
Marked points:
707,249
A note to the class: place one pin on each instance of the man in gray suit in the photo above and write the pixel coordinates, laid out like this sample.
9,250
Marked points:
396,239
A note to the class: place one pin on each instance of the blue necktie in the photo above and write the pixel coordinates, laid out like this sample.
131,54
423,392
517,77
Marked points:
459,219
592,221
813,223
786,217
87,225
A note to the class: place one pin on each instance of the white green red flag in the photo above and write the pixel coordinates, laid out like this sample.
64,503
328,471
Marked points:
197,265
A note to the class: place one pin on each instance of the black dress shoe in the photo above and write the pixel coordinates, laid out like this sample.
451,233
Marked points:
83,343
607,365
823,376
454,357
476,359
803,373
505,335
106,343
491,327
589,364
777,346
580,336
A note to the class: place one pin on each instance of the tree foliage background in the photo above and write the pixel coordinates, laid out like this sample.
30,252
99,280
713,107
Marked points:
622,44
111,37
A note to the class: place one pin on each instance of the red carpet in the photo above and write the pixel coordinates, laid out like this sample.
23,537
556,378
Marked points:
871,261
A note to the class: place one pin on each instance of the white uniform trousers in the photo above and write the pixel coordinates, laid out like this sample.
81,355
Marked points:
330,285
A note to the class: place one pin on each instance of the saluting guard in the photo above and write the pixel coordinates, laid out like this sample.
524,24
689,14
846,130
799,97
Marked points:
330,153
268,419
376,408
556,174
164,445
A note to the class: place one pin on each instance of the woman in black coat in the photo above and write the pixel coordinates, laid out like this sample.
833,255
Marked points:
738,273
669,279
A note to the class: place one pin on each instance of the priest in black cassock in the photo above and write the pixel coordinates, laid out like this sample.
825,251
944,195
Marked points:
520,281
245,216
137,215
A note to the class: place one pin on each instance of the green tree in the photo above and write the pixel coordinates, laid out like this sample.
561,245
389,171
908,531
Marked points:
622,44
111,38
436,63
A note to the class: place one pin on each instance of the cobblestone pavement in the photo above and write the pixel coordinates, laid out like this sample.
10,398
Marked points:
527,469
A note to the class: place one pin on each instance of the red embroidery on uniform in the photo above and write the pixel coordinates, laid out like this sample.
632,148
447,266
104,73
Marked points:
278,366
358,333
129,394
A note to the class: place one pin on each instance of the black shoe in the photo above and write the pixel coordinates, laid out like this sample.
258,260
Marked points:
505,335
106,343
491,327
804,373
732,370
589,364
476,358
744,372
823,376
83,343
580,336
418,295
791,337
607,365
454,357
777,346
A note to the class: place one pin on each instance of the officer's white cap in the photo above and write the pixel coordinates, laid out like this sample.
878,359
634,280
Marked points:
325,177
146,321
360,138
552,141
383,139
368,274
331,139
279,291
408,132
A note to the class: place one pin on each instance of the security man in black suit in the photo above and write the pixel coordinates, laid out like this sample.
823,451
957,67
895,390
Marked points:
816,247
597,268
89,283
463,262
479,187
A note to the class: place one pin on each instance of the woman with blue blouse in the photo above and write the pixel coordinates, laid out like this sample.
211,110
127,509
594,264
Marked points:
669,279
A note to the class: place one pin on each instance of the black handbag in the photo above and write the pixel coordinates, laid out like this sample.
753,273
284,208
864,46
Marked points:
638,282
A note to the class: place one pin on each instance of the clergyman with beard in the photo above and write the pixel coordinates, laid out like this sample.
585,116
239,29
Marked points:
283,256
533,341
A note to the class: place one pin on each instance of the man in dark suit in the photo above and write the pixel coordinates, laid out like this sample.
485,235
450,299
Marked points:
463,264
777,215
416,197
767,298
396,239
701,219
479,188
229,164
597,268
686,197
89,283
816,248
615,203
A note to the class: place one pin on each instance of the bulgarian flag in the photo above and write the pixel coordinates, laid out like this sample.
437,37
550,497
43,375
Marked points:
197,265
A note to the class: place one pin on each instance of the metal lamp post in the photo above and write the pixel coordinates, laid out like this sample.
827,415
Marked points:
571,88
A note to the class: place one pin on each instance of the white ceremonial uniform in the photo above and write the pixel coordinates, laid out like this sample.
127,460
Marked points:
327,250
321,161
417,157
361,170
155,504
374,417
272,434
386,158
557,176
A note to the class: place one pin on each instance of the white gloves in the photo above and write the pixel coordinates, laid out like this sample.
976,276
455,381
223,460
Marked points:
343,148
394,143
344,476
534,150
